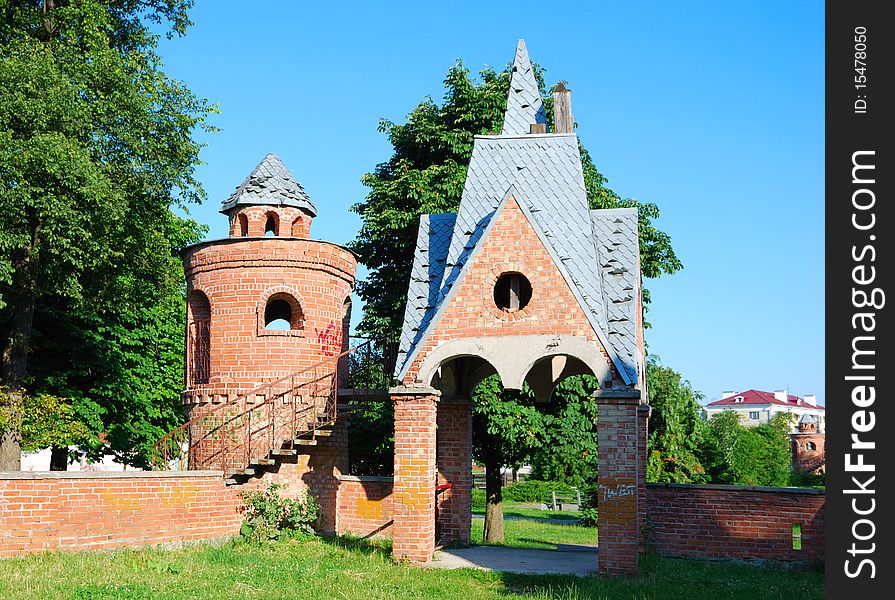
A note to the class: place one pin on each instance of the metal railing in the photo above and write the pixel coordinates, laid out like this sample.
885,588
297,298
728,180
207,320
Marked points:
269,418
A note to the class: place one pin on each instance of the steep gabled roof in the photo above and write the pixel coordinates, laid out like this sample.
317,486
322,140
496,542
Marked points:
429,258
270,183
543,173
524,103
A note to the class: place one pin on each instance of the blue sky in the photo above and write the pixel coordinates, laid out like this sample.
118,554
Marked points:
713,111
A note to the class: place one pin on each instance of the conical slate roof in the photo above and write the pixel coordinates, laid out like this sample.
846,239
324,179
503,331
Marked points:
270,183
524,103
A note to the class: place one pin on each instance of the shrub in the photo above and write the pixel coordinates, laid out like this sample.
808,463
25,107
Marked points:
588,507
533,490
478,500
268,516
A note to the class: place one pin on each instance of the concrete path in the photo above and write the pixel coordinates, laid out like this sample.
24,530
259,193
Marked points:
571,559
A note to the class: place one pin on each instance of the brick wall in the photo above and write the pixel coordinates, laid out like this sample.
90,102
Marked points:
716,521
366,506
98,511
454,463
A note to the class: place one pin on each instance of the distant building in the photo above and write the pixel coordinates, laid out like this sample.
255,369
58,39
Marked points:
755,407
808,446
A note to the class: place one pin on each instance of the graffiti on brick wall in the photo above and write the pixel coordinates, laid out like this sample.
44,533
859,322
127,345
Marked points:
615,491
330,339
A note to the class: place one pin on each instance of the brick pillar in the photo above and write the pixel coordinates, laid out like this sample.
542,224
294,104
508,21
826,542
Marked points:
454,458
414,492
619,481
643,414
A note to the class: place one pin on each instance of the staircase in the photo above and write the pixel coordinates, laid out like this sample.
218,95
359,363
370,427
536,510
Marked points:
278,419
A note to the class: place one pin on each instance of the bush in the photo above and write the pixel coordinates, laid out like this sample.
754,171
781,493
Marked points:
268,516
807,479
533,490
588,507
478,500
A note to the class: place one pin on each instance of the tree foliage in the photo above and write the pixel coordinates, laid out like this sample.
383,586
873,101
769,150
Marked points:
570,456
740,455
96,147
676,428
426,173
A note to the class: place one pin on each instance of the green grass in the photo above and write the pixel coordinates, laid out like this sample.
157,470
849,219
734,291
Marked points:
516,509
344,568
537,533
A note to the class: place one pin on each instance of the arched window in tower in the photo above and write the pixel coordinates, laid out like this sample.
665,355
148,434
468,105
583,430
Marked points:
512,292
242,222
283,313
199,339
272,225
810,446
297,226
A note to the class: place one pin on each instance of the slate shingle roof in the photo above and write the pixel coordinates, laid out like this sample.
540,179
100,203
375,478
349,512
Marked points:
270,183
618,247
429,258
524,104
596,251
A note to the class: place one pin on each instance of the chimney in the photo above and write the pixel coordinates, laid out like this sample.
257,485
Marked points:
562,109
781,395
810,399
727,394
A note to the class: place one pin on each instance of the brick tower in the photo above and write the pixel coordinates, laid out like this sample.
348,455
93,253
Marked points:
265,305
808,447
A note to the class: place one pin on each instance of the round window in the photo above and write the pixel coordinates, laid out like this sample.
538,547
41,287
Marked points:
512,292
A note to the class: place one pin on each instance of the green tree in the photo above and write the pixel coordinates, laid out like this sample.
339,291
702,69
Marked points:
740,455
508,428
426,173
95,148
677,431
570,456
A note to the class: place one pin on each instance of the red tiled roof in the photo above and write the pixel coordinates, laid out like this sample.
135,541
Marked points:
759,397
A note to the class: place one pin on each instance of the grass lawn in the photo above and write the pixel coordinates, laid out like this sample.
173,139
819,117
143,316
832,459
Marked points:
357,569
341,568
531,533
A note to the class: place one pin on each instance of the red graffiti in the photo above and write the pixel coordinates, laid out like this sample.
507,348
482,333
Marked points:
330,339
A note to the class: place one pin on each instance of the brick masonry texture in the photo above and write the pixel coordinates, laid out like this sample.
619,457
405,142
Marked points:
414,490
621,465
732,522
366,506
454,461
512,245
99,511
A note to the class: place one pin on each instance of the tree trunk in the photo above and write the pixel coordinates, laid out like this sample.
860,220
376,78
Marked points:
59,458
11,441
493,503
14,363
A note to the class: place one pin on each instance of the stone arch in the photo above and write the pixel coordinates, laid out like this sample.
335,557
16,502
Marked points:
548,372
298,225
291,297
241,225
272,223
514,356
